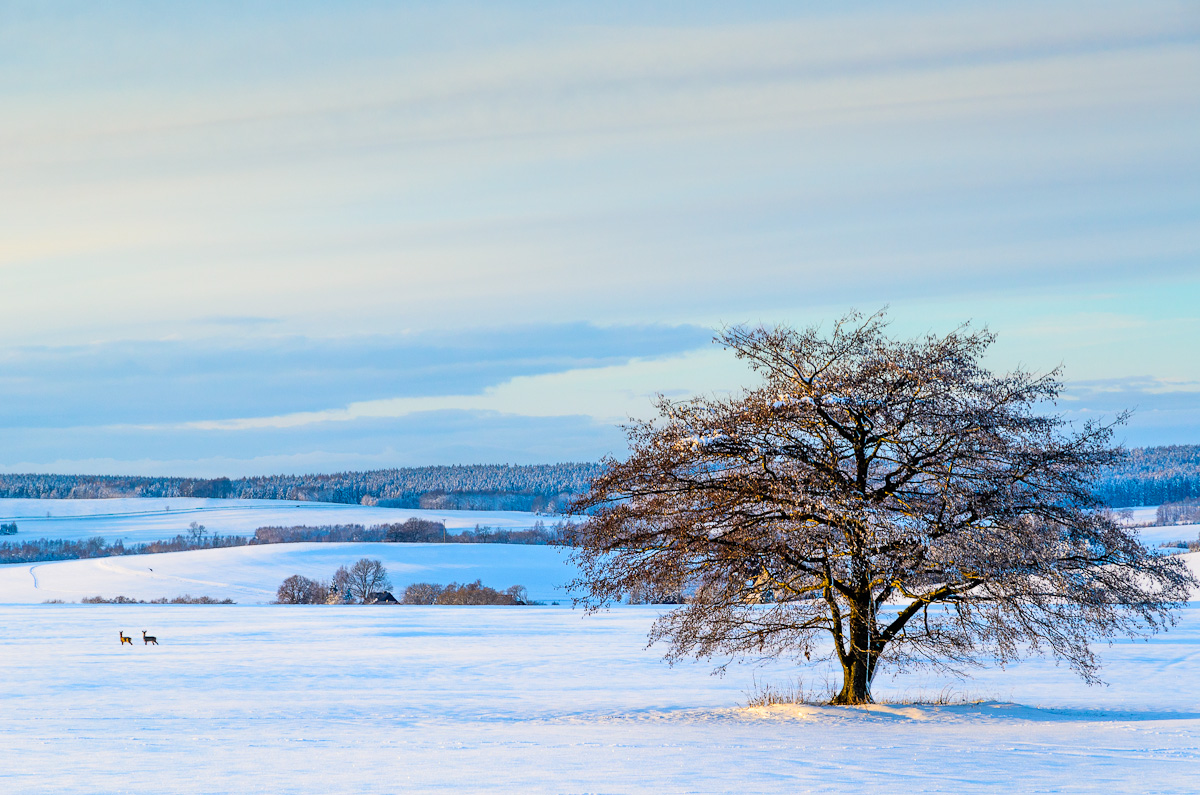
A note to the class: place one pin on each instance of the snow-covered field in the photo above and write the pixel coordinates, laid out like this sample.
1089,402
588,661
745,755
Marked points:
153,519
1141,514
252,574
1153,536
253,698
388,700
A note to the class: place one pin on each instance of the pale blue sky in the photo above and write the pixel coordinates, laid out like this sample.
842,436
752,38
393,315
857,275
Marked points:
265,237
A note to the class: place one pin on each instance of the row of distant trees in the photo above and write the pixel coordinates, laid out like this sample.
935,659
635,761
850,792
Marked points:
472,593
540,487
367,582
1149,476
1172,513
44,549
185,599
413,530
197,537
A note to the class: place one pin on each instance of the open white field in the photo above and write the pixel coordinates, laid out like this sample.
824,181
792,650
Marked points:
252,574
388,700
1141,514
1152,535
154,519
136,520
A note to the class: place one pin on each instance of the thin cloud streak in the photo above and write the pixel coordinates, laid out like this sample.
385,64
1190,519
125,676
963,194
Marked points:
405,184
608,394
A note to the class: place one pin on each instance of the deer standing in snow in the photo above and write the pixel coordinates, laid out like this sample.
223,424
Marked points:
147,639
124,638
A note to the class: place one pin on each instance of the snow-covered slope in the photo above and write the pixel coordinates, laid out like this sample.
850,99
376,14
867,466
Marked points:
1140,514
1153,536
252,574
153,519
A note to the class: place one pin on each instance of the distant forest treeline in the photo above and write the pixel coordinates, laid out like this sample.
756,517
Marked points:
1151,476
540,487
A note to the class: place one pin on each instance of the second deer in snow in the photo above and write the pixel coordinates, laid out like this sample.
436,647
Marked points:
148,639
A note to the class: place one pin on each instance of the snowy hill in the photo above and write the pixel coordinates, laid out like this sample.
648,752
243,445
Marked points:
153,519
250,575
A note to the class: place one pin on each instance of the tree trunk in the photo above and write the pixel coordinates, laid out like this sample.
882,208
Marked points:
856,681
857,662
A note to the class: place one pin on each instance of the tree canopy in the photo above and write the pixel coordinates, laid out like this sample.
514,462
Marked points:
874,500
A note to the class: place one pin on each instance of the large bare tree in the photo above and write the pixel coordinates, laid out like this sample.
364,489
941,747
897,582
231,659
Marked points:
893,497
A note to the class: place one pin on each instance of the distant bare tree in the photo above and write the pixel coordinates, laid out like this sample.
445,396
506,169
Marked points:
894,497
364,578
299,590
196,532
518,593
339,586
292,591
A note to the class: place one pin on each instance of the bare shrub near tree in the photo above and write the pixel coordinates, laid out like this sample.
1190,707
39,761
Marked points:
300,590
422,593
476,593
653,594
893,497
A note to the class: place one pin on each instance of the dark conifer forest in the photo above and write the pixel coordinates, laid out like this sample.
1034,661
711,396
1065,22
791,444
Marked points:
541,487
1153,476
